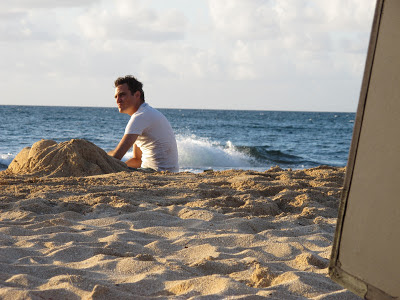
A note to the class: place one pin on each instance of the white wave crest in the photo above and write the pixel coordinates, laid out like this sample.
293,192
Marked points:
200,153
5,160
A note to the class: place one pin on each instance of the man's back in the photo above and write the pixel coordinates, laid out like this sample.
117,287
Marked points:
156,139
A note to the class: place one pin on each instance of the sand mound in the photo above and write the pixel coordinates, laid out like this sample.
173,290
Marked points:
72,158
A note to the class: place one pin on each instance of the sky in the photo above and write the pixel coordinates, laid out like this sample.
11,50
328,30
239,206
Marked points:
300,55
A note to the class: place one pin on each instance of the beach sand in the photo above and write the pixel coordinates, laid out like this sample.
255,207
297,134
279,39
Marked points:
134,235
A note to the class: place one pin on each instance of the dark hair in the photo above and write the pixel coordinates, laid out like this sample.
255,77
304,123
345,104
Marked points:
134,85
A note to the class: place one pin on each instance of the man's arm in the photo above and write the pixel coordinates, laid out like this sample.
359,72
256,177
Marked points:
126,142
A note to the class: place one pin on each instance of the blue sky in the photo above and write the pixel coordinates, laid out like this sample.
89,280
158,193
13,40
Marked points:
215,54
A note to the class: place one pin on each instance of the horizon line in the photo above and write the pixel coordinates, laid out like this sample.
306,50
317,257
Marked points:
165,108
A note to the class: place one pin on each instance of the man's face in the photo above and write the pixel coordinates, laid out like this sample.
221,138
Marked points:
127,103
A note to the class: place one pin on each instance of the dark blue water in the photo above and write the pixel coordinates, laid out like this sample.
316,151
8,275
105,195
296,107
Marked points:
207,139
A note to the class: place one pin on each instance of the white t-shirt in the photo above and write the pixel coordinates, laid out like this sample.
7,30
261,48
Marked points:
156,139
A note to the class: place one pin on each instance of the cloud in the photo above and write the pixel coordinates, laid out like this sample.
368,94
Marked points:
347,15
92,40
27,26
23,5
132,22
91,19
245,20
309,38
266,45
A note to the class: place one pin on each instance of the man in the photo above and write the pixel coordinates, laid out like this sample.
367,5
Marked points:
148,130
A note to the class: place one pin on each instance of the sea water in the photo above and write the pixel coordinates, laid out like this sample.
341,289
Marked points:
207,139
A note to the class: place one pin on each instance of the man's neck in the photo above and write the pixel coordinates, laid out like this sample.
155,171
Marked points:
136,109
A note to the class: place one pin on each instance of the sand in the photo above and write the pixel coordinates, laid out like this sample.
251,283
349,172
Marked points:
133,235
76,157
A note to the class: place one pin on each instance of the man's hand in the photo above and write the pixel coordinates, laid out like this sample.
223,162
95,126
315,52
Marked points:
136,160
126,142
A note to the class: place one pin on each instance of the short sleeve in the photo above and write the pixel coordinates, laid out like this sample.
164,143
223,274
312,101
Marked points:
136,125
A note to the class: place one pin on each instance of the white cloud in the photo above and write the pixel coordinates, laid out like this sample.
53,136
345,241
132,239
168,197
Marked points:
23,5
245,20
311,36
132,22
347,15
252,48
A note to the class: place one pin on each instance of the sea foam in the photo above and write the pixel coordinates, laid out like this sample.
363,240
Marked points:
195,152
5,160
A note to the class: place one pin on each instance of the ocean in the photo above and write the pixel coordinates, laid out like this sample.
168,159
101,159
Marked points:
207,139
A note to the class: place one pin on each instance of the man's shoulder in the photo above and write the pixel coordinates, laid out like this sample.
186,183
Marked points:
143,110
152,112
147,114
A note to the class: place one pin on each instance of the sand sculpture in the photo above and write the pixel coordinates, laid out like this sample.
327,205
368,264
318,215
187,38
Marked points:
76,157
